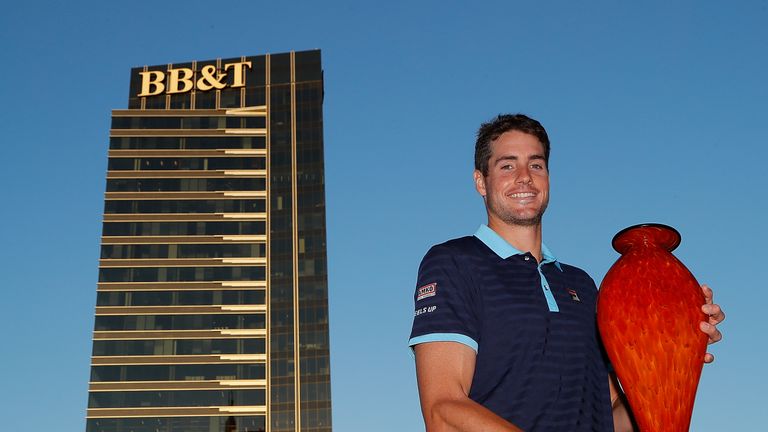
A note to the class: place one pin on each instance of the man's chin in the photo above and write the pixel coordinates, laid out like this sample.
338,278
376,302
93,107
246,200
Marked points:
525,221
525,218
521,219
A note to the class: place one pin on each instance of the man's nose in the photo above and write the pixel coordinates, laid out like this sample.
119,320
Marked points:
524,175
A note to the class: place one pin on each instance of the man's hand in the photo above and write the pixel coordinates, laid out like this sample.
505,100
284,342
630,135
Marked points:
716,316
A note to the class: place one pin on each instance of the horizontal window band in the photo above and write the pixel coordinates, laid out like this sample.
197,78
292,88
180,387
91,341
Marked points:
176,385
236,112
169,299
185,132
160,253
182,156
193,285
177,347
182,262
178,310
179,359
195,296
244,111
175,398
184,195
227,371
229,272
177,334
175,411
112,240
185,217
213,423
237,143
186,152
159,174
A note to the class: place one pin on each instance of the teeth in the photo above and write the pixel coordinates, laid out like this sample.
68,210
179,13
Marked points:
523,195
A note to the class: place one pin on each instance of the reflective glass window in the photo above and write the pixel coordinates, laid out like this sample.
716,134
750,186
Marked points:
155,102
184,206
181,100
178,347
308,66
120,399
253,122
281,68
178,322
255,76
186,184
144,251
191,143
255,96
178,424
180,298
183,372
186,163
181,274
183,228
229,98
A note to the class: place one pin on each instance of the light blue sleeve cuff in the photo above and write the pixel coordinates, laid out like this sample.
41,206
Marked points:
444,337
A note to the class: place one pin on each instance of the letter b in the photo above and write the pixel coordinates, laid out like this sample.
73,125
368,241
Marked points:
179,76
149,79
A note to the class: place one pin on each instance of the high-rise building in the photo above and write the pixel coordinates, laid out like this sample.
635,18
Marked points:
212,311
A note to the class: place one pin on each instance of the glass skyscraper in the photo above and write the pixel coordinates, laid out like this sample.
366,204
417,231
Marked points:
212,310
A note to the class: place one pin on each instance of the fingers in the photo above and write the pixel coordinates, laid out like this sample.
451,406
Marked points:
708,294
716,314
711,331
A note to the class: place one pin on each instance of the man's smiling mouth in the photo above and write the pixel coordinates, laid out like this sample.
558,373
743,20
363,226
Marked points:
522,195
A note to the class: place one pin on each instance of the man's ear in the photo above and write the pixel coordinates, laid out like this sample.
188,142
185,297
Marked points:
479,183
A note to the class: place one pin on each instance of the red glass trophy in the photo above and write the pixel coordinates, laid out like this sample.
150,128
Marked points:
648,313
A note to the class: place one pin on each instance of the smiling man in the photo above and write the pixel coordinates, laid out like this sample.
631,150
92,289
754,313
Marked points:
504,334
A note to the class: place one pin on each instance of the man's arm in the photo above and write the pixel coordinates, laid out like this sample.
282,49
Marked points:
622,417
444,372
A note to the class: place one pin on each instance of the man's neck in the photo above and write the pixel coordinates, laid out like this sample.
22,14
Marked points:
526,238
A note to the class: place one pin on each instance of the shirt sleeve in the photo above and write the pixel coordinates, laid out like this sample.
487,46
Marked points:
446,301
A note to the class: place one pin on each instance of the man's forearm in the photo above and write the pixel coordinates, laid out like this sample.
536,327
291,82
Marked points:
622,418
465,415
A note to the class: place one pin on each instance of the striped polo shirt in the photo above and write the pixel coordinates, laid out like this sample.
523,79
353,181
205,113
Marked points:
539,361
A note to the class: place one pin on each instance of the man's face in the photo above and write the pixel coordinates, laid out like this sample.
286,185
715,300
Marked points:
516,189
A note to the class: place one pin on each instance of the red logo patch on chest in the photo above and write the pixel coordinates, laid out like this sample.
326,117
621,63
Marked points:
574,295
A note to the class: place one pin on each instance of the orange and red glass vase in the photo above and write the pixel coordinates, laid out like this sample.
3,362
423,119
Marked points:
648,313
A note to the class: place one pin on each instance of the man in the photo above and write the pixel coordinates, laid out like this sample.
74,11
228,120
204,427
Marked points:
504,334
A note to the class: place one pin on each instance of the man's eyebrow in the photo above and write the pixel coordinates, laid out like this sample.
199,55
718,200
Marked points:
514,158
504,158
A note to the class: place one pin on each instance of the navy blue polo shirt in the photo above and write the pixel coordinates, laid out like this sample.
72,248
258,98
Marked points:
539,361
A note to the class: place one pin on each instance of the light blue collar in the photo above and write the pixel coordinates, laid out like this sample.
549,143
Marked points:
505,250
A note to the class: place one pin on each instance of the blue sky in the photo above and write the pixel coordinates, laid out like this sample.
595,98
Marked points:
657,112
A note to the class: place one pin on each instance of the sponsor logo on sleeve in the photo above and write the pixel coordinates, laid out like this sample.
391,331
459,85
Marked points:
424,310
426,291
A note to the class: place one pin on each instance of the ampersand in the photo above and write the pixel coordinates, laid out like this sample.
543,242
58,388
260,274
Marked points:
210,79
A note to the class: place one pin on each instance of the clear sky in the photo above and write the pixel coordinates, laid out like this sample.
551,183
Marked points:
657,112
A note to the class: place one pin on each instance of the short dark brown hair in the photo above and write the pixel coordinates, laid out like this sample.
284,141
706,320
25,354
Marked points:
493,129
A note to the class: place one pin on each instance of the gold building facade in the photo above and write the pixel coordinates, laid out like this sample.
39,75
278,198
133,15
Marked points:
211,310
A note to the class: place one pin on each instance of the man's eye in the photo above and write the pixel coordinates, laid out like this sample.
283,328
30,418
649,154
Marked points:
506,167
537,166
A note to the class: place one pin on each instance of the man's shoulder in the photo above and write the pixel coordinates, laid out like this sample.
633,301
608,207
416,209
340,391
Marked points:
453,253
466,245
574,272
